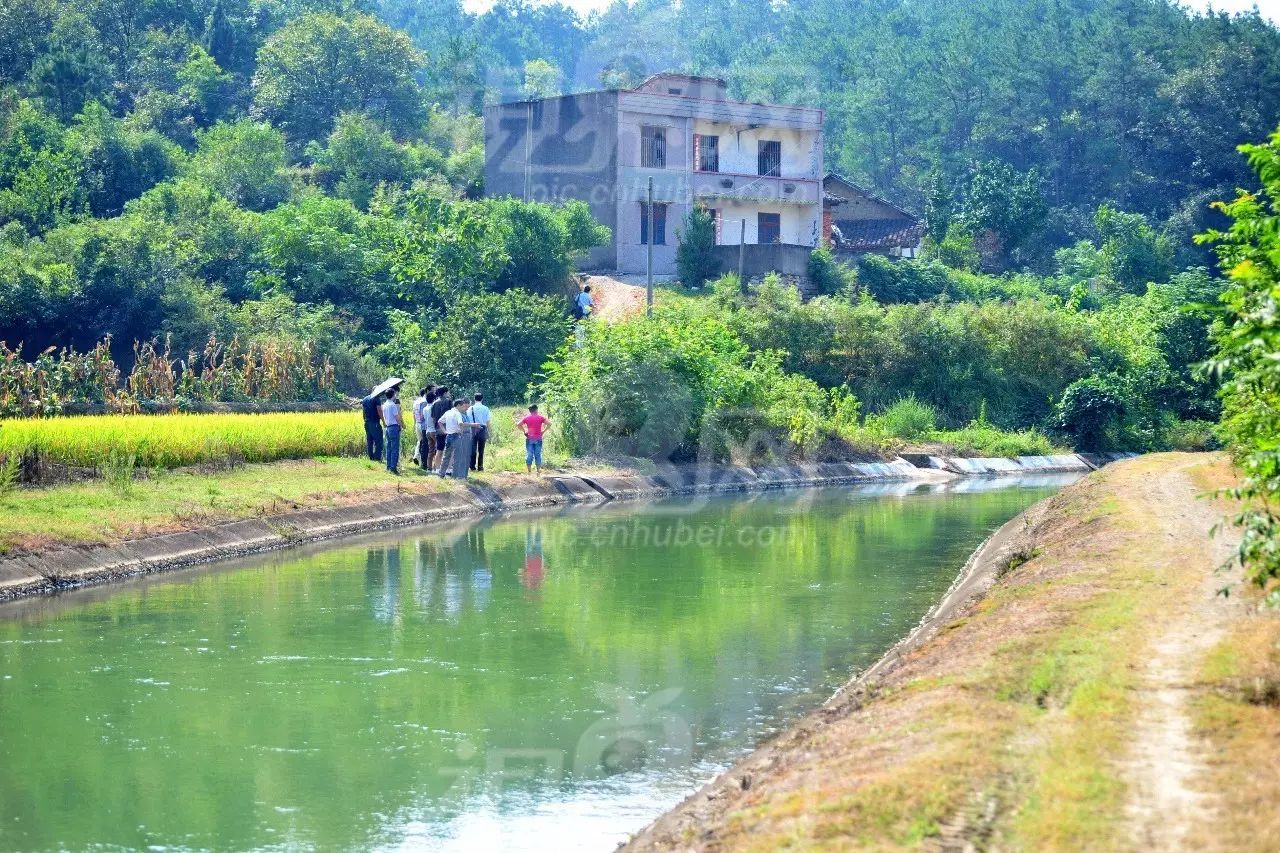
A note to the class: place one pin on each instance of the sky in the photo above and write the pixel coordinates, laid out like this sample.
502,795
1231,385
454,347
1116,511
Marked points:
1269,8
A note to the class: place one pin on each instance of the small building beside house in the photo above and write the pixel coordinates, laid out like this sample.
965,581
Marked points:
857,222
756,167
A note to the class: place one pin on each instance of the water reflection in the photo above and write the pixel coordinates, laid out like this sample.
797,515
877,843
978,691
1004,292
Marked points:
495,683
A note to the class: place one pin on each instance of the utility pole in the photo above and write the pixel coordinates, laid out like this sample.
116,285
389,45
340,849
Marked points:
742,250
648,284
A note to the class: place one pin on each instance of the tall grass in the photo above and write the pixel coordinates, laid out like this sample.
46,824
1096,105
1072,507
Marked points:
175,440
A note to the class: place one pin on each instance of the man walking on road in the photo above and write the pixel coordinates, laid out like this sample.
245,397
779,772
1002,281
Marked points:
479,415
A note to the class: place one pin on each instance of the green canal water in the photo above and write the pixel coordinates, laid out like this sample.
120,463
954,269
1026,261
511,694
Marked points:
542,681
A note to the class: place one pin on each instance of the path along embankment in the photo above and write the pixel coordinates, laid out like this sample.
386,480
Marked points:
62,568
1082,686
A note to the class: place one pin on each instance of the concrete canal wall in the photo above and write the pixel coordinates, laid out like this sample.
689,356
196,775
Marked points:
63,568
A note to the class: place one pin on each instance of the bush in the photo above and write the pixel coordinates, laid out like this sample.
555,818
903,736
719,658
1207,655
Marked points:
901,281
695,255
494,343
677,387
1190,436
1089,411
1248,356
828,275
908,419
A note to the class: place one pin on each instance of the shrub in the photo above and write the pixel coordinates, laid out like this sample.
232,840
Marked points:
695,255
908,419
1089,410
1192,436
828,275
1248,356
494,343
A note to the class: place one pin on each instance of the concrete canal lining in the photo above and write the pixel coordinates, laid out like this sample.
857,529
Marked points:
63,568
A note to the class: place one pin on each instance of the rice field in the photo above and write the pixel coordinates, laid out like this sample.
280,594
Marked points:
168,441
177,440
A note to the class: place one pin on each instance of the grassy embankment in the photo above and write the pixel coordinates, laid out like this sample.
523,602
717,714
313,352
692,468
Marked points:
161,473
191,470
1042,718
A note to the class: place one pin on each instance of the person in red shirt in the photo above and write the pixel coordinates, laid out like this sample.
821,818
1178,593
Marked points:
533,425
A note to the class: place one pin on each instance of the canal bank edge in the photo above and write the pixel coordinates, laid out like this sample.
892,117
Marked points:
691,824
65,568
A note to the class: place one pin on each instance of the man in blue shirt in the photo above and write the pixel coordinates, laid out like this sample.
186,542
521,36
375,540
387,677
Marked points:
584,303
372,406
479,415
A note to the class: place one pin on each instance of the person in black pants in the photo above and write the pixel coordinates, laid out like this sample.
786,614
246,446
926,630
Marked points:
372,406
442,404
479,414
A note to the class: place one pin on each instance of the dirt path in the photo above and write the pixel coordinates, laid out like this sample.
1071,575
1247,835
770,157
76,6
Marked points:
1166,762
617,296
1062,709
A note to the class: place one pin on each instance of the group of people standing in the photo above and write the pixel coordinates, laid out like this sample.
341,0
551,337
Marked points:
439,421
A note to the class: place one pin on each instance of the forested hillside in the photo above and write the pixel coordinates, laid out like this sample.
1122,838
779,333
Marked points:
309,174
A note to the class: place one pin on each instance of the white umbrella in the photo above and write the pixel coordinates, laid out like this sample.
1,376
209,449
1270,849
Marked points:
393,382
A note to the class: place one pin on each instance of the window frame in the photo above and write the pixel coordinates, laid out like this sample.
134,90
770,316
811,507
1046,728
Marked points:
775,223
653,146
700,150
659,222
764,146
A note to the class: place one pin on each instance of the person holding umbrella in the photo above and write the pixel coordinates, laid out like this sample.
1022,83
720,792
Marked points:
373,419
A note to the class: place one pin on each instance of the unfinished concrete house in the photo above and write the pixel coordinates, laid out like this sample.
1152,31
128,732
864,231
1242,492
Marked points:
756,167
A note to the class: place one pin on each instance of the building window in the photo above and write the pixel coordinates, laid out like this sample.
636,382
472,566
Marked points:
770,160
653,147
768,228
706,152
659,224
674,92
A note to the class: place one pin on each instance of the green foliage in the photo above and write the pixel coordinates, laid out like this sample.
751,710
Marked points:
828,275
1089,411
494,343
674,388
321,65
958,249
1007,205
908,419
244,162
695,254
891,282
1132,253
1248,357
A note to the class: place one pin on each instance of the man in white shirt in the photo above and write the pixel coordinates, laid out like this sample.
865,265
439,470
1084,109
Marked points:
422,400
452,423
394,423
479,415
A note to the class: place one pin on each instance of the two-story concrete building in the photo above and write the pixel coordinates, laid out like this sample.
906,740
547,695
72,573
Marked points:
756,167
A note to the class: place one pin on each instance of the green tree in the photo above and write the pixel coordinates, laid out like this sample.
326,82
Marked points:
245,162
320,65
359,156
495,343
1248,358
1133,253
695,254
541,80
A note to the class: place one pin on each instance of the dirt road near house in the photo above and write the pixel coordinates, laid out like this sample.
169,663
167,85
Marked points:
1098,695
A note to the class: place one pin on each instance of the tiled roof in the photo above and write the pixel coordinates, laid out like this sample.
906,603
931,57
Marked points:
867,235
